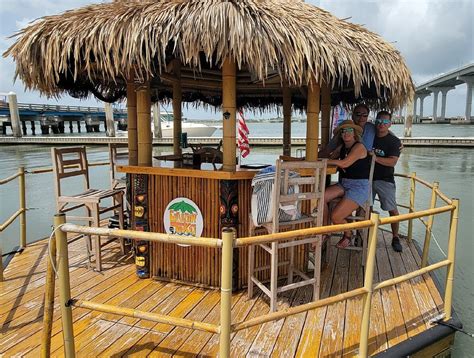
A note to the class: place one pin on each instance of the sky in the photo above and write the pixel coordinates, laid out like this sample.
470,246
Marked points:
434,37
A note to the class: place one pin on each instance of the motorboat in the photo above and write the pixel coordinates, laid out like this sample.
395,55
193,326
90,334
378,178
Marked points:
192,129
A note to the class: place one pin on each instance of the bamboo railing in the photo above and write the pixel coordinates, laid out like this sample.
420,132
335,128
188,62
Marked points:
227,245
21,212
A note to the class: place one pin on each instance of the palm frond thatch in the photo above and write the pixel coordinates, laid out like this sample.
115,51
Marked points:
95,49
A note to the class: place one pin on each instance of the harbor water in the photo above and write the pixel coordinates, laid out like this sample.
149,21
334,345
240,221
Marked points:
453,168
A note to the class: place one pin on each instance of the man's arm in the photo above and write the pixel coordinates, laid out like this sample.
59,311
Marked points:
386,161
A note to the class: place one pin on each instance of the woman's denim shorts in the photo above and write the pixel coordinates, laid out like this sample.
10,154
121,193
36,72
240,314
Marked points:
356,190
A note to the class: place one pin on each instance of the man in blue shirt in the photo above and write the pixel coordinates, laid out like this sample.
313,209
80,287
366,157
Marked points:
360,115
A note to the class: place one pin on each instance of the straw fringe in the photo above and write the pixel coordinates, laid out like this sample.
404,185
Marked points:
99,45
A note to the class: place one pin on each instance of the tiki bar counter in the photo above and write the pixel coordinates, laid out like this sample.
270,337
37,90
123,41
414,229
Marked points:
230,56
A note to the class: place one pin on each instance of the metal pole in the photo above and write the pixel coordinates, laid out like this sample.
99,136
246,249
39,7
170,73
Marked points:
448,294
64,287
22,191
426,245
226,292
1,264
412,205
368,285
49,302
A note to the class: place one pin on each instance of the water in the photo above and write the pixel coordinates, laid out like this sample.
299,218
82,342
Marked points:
452,167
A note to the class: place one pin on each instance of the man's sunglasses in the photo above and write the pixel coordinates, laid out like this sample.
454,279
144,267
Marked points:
358,114
379,122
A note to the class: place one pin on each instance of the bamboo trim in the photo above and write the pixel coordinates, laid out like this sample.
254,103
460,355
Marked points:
412,205
448,293
368,286
64,286
10,178
144,139
409,276
229,106
150,316
416,214
177,111
22,198
262,239
312,121
150,236
325,114
49,302
286,119
132,123
226,292
295,310
11,219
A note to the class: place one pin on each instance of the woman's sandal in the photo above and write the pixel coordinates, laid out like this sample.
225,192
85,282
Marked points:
344,242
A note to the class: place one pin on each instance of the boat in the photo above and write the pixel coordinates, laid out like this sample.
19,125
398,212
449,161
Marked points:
189,300
192,129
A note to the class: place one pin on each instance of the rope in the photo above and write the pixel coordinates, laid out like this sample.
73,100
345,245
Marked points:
437,244
50,254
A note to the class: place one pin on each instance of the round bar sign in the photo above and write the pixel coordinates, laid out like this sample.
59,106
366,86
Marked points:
183,217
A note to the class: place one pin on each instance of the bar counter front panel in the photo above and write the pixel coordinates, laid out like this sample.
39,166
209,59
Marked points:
215,193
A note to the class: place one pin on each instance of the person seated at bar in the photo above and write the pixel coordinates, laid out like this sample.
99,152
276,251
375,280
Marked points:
360,115
353,185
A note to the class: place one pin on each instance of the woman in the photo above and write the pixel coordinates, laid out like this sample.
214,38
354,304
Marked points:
353,186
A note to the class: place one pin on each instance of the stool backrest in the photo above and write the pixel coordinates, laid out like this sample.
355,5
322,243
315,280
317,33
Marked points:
69,162
118,153
308,187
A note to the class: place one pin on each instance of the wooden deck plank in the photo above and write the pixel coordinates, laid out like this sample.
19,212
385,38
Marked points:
28,321
198,339
411,312
110,335
333,331
353,306
104,290
179,335
178,305
429,278
310,340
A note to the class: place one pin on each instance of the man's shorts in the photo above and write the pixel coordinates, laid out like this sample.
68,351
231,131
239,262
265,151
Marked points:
356,190
386,193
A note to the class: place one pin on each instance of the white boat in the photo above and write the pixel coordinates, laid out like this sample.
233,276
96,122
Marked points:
192,129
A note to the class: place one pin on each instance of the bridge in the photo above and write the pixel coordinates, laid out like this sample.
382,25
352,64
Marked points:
443,84
54,117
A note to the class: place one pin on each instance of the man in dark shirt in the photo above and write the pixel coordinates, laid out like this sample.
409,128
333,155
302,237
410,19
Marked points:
387,150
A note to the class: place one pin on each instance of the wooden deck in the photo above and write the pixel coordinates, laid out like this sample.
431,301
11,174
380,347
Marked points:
397,313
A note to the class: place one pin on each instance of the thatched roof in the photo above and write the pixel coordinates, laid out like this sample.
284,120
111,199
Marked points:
94,49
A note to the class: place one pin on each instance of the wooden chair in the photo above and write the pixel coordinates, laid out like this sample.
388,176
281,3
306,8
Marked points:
291,190
208,154
118,153
361,214
72,162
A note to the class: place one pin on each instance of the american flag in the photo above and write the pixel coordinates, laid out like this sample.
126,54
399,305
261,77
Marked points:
243,140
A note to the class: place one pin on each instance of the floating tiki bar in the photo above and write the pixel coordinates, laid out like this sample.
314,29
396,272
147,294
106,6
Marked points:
251,55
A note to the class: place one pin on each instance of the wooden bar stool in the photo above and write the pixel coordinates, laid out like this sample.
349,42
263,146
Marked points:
72,162
290,190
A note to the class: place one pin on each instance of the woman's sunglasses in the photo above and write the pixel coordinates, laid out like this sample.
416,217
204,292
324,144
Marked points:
347,130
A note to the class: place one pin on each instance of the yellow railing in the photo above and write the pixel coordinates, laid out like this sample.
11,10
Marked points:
227,245
21,212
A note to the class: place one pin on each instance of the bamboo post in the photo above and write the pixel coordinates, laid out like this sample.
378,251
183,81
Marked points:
144,139
14,114
426,244
109,120
368,285
226,292
448,294
157,120
49,302
132,123
286,119
177,115
64,287
325,113
412,205
22,190
312,121
229,90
